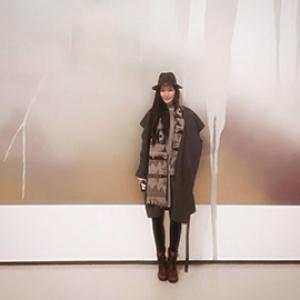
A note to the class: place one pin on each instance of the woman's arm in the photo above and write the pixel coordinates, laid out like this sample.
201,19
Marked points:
142,171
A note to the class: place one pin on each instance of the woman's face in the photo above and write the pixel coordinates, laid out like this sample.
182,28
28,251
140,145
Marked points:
167,93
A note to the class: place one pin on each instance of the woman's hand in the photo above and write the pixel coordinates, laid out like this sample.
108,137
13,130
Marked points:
142,183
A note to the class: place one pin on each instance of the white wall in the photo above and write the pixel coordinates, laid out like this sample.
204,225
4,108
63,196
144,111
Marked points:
123,232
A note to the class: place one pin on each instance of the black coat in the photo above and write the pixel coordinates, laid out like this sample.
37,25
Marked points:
183,204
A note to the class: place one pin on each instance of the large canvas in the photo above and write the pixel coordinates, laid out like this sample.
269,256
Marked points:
76,78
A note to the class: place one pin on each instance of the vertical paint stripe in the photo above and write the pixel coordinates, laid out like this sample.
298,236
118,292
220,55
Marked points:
277,16
298,41
23,128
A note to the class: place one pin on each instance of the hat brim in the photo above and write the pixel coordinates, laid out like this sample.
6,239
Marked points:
157,87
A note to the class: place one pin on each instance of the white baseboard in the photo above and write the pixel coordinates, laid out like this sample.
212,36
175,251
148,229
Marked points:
123,232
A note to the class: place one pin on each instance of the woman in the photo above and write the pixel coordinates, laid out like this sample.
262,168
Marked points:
169,159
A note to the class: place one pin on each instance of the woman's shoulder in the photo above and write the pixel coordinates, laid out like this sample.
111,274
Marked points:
189,113
146,118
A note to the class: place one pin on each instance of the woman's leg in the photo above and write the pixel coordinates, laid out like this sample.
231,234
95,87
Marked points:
159,236
175,233
159,232
175,227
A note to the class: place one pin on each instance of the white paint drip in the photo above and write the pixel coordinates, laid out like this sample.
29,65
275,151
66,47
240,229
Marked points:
22,128
217,73
298,41
277,14
24,161
216,122
214,172
186,39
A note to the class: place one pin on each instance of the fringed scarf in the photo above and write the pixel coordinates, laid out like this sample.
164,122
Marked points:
162,164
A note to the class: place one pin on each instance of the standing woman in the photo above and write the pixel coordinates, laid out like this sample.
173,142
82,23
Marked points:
169,159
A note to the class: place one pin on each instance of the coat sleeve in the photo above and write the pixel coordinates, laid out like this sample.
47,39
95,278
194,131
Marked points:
142,170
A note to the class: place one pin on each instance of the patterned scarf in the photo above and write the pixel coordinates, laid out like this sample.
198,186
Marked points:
161,163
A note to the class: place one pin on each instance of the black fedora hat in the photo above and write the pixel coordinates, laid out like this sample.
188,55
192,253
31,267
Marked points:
166,78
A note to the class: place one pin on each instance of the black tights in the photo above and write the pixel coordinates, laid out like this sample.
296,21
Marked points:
159,233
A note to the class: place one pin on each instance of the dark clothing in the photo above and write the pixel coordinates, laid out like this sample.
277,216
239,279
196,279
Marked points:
159,233
185,170
188,158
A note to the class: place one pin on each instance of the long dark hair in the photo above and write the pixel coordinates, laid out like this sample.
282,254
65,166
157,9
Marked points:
160,110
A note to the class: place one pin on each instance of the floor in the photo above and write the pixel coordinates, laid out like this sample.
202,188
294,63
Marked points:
138,281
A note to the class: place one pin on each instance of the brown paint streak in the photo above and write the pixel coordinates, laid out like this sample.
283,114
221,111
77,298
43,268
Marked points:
261,156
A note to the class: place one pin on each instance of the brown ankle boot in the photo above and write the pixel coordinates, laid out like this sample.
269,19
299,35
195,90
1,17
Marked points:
172,268
162,266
